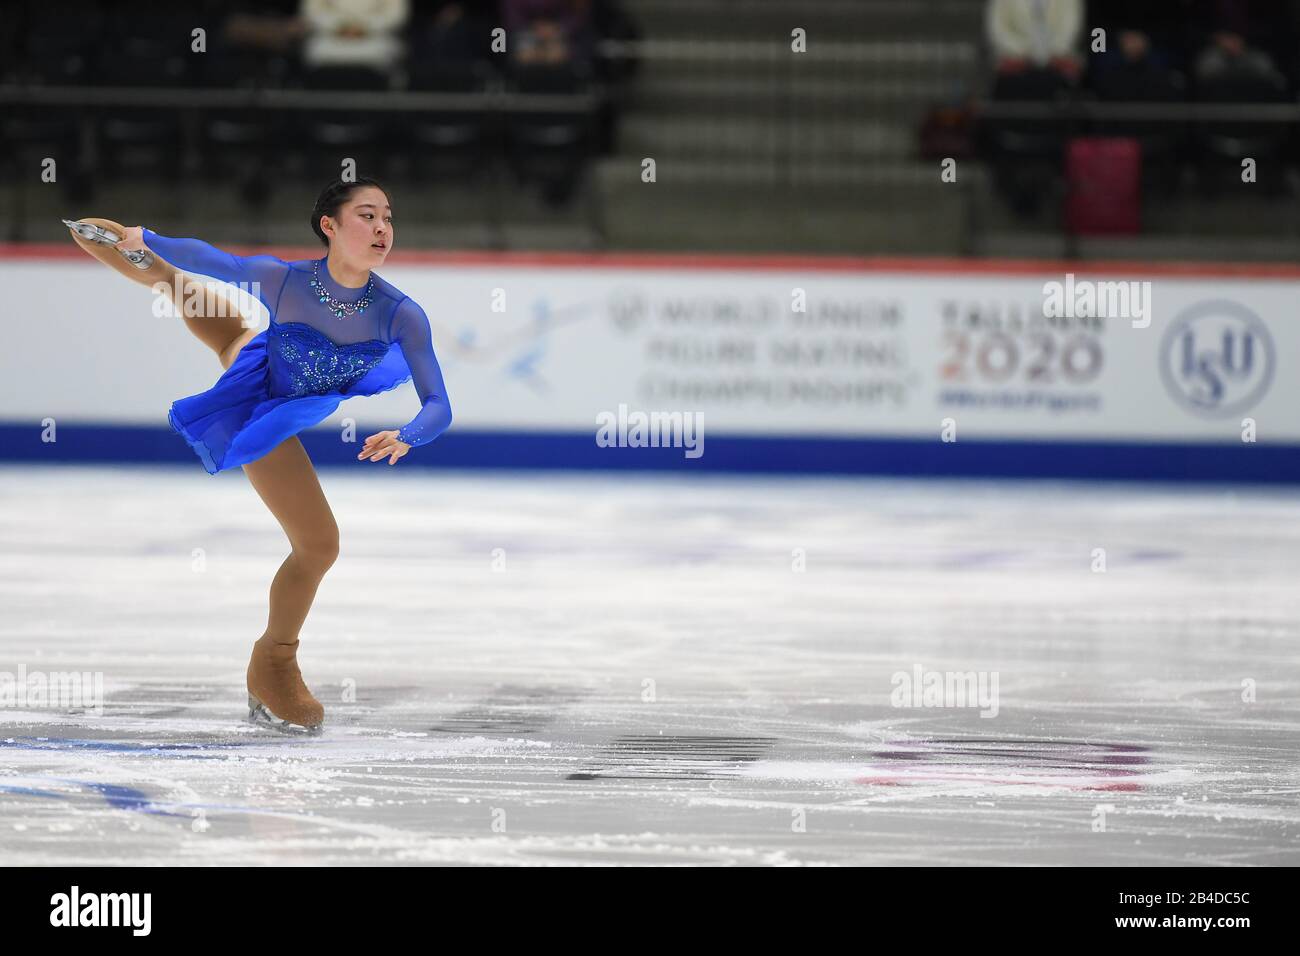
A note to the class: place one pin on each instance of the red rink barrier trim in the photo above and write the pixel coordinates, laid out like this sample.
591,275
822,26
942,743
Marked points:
48,251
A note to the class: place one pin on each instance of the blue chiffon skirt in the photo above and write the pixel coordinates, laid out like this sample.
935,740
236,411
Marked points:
238,420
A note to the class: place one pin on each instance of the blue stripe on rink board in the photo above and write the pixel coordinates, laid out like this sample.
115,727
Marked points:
123,444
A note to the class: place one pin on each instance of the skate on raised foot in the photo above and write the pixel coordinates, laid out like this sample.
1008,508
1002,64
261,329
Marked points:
93,232
277,696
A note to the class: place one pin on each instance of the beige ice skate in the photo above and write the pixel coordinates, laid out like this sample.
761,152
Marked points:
277,695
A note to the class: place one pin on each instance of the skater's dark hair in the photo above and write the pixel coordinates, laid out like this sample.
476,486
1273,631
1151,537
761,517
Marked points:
332,198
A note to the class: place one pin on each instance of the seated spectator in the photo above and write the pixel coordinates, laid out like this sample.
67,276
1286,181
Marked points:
1136,74
1144,57
1034,46
1036,35
352,38
1230,60
1234,54
549,32
450,40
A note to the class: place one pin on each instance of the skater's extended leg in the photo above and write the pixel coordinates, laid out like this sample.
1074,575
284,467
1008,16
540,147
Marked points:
287,483
207,313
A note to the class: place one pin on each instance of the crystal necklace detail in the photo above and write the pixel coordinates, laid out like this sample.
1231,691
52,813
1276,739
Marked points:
340,309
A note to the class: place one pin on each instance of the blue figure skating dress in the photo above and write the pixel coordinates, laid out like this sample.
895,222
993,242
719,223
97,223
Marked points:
295,373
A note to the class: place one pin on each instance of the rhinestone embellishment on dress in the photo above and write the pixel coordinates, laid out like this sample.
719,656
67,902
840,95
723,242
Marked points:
316,365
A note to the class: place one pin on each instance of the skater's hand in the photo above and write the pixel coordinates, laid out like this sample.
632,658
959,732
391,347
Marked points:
133,241
384,444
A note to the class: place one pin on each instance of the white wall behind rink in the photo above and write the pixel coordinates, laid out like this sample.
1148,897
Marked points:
875,353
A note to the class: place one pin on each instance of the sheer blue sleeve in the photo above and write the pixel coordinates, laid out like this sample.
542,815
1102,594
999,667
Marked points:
411,331
264,276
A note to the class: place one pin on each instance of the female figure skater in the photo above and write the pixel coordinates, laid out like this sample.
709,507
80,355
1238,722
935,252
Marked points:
336,330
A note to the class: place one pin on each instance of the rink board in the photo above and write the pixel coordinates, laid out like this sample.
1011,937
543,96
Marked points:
819,365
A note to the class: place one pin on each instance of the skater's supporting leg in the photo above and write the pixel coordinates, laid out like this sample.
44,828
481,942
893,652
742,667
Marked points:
217,325
287,483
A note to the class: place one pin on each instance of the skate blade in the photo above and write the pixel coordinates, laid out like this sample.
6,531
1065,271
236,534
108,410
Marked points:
92,233
258,714
104,237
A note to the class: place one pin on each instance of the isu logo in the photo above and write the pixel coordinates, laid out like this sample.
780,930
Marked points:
1217,359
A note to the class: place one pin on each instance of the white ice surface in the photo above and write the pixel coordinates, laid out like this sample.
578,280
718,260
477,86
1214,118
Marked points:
646,679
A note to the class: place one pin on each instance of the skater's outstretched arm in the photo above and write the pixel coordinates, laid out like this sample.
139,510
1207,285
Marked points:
262,275
410,328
